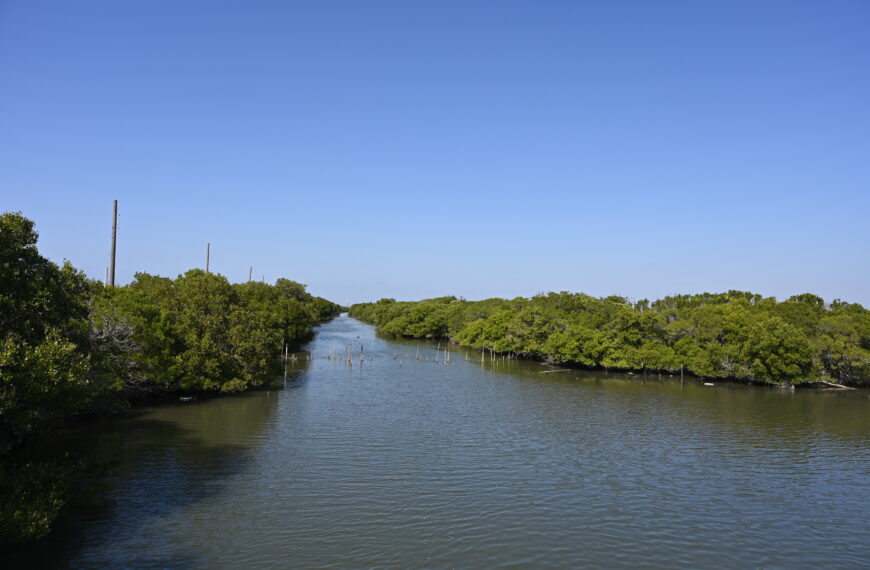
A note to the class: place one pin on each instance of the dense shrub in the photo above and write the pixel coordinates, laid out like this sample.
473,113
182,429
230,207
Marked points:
69,345
737,335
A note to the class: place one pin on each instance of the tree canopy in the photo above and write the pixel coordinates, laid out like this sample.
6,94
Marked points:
737,335
68,345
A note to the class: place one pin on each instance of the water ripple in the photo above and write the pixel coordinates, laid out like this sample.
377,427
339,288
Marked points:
402,463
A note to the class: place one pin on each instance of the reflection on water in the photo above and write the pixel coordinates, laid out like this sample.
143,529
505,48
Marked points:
396,460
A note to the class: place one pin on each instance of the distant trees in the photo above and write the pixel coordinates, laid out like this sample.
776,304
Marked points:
737,335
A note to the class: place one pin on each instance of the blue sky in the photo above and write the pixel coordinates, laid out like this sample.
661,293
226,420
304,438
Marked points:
416,149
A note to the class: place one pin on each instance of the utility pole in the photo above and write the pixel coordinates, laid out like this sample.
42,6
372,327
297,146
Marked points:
207,255
250,272
111,276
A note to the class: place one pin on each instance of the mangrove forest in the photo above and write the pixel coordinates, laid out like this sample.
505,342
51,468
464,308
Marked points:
69,346
736,335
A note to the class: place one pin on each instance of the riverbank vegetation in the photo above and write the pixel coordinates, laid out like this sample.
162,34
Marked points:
735,335
70,346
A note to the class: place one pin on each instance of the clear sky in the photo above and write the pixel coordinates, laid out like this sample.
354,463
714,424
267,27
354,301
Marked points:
417,149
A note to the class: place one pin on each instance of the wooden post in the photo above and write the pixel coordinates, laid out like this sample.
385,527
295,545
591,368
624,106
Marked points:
207,255
114,243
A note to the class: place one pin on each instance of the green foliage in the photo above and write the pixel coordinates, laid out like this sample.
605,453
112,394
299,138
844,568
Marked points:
31,496
44,345
737,334
36,482
68,345
45,374
200,332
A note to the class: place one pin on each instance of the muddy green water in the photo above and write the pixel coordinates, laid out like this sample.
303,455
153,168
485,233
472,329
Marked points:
401,463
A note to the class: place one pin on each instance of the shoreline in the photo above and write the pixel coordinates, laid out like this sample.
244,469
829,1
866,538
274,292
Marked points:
820,385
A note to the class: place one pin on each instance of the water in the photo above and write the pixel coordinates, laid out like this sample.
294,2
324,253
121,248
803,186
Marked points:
406,463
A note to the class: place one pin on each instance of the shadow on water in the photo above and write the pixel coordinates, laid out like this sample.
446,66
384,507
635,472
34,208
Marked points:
164,459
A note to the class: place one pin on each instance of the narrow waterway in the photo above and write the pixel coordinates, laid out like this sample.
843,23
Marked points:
400,462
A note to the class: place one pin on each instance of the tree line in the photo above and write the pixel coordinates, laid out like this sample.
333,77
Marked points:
69,345
736,335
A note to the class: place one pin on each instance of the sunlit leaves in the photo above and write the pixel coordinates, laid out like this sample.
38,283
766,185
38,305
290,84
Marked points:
738,334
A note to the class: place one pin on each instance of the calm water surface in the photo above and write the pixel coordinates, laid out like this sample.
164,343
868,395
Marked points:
406,463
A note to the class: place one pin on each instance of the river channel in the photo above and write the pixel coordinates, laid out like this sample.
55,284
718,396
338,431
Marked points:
399,462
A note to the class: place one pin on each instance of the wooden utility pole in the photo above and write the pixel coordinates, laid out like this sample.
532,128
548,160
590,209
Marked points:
250,272
207,255
114,243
